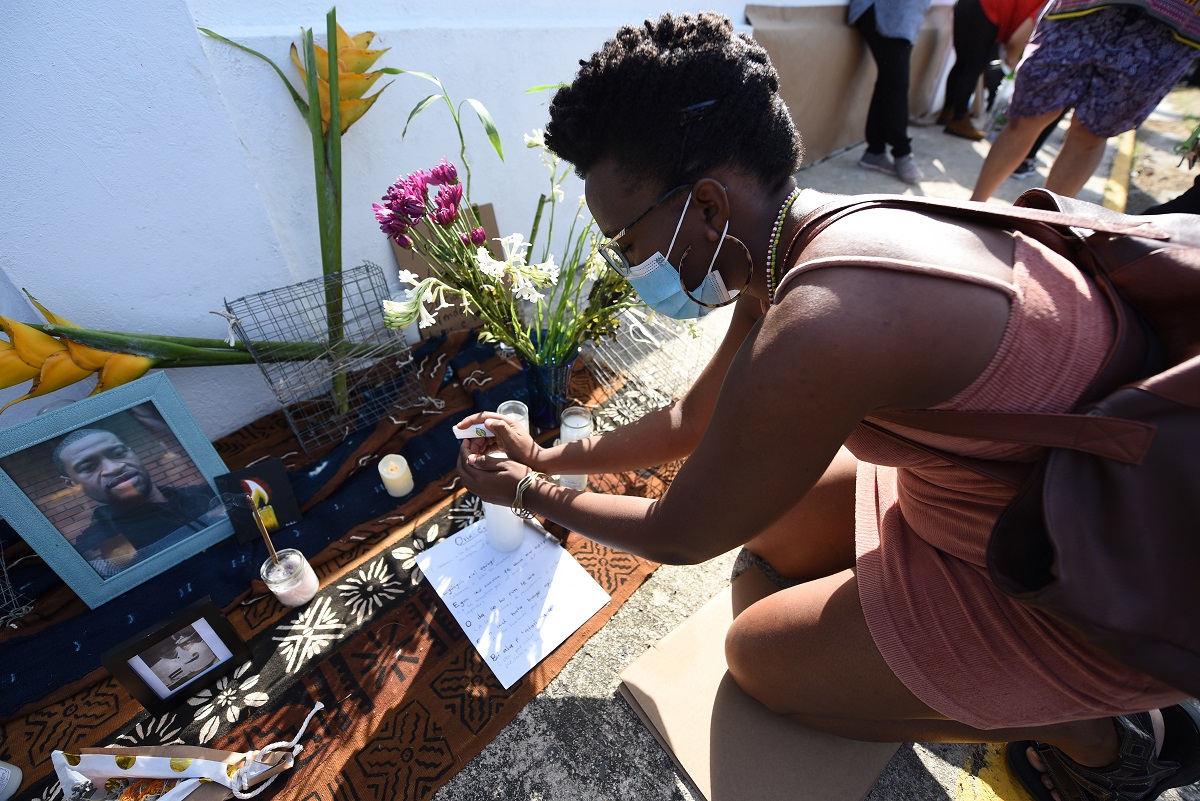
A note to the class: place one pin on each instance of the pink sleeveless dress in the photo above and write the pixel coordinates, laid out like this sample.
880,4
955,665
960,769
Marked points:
922,525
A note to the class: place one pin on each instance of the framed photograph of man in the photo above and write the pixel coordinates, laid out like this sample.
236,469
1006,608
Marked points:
113,489
178,657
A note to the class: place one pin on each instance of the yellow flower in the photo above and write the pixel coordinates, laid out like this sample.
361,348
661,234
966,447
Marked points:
354,59
54,364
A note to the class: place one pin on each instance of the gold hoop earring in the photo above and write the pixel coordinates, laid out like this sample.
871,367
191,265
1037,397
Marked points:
733,295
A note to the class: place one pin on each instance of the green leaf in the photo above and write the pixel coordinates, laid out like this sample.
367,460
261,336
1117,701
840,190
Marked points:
417,109
425,75
546,86
300,104
489,125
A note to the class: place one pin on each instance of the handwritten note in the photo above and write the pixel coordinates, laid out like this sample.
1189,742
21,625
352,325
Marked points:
515,607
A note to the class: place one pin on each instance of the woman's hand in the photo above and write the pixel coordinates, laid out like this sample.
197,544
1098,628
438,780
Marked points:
510,438
492,478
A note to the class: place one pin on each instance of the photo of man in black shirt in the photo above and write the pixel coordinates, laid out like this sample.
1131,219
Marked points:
134,518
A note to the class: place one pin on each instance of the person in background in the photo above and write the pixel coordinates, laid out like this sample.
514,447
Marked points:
890,28
1112,63
979,27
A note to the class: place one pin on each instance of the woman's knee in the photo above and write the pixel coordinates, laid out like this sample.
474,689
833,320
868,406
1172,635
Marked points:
747,656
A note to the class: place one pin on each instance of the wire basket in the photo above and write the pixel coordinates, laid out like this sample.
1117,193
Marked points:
651,362
371,358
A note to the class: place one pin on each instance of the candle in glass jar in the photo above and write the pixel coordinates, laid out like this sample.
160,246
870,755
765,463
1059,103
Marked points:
505,530
516,410
292,579
575,424
397,478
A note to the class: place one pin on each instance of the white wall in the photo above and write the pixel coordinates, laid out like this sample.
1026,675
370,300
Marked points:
149,172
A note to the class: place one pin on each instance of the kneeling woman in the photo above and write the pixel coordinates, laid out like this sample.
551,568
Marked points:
894,630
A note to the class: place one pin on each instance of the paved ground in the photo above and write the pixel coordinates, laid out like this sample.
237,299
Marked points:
579,740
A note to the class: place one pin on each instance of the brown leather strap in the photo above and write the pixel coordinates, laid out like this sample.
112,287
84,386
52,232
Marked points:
822,217
1111,437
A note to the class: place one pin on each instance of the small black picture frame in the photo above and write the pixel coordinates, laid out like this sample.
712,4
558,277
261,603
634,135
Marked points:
178,657
267,486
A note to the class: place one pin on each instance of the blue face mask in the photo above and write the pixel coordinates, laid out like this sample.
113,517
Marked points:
657,283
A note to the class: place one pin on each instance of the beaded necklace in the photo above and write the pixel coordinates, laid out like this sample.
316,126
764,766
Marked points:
773,247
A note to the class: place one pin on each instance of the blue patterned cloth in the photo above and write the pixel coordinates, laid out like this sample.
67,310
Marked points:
33,666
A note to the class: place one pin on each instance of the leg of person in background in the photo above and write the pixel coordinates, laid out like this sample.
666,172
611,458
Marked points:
974,47
1028,167
887,116
1009,150
1081,153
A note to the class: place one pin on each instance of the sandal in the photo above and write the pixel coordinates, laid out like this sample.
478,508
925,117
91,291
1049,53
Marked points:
1137,775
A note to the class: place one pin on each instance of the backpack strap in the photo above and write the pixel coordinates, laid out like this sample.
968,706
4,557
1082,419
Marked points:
1023,218
1114,438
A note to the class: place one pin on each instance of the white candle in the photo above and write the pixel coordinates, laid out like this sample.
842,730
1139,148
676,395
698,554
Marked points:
292,581
575,424
397,478
504,529
517,411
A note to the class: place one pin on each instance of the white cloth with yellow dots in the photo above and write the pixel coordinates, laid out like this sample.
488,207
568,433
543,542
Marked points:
173,772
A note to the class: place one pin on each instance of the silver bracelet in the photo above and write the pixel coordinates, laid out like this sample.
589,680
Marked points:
518,504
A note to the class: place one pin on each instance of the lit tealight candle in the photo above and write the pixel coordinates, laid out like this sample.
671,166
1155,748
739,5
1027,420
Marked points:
397,478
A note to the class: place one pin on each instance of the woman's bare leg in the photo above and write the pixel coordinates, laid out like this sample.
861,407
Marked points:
806,652
816,538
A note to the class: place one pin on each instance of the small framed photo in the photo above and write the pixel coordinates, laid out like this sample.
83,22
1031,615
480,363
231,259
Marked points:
113,489
177,658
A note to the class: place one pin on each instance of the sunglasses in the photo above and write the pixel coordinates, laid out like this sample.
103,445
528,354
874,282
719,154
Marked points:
611,251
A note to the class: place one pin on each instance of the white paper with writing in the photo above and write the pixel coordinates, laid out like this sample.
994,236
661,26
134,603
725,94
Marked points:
515,607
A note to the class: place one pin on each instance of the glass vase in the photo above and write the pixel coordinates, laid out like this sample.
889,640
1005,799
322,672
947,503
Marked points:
548,388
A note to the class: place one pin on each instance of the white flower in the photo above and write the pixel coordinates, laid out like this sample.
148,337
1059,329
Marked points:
515,248
595,266
536,139
226,699
401,314
369,589
559,194
409,277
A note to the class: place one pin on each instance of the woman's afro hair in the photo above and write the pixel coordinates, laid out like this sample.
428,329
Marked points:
644,101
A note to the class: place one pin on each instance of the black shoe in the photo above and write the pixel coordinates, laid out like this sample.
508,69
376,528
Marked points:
1025,169
1137,775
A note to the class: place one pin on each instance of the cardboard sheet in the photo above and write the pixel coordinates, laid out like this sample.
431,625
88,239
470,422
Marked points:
728,745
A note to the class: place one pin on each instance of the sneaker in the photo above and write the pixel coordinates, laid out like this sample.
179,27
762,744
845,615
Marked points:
907,169
879,162
962,127
1025,169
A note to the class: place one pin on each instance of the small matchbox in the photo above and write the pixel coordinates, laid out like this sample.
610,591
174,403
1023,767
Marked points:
475,431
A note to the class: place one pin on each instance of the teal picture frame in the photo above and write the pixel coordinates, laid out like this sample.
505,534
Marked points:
54,515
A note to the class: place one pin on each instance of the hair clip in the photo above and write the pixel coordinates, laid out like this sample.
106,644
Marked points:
689,114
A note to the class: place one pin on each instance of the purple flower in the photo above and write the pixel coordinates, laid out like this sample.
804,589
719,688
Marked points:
449,195
478,236
403,241
443,173
444,216
389,222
